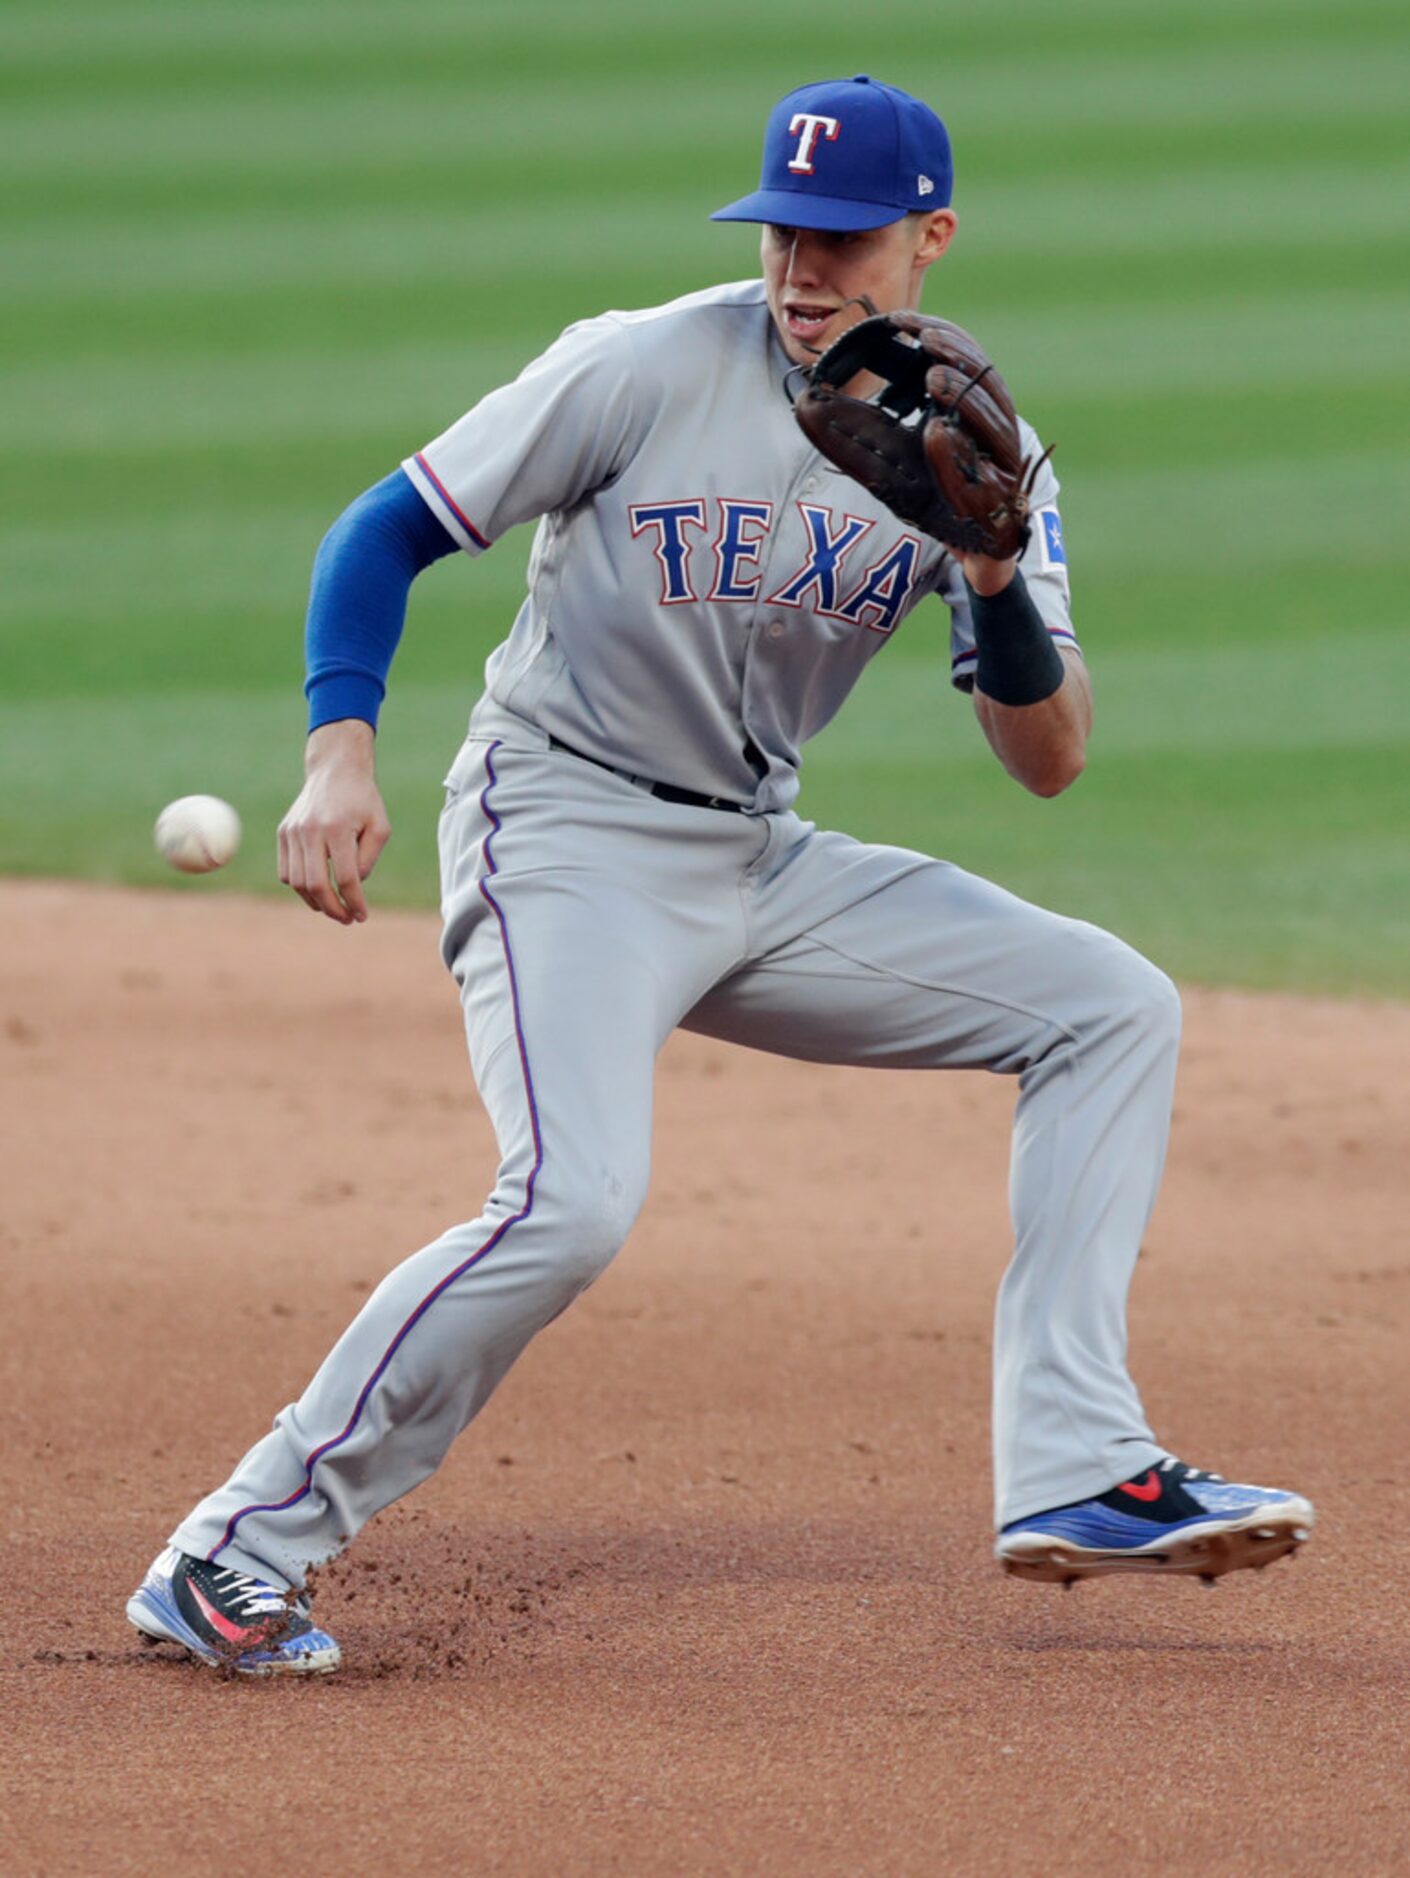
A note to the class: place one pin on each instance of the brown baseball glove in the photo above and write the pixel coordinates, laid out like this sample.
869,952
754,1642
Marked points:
939,444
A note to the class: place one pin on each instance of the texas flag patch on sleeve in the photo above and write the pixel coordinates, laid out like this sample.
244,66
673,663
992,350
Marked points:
1051,547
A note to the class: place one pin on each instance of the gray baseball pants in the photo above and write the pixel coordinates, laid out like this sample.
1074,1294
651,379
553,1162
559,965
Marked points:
584,921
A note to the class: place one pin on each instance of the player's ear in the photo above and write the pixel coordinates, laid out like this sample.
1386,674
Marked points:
936,232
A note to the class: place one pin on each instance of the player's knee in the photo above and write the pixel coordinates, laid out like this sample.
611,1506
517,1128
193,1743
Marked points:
1150,1001
595,1209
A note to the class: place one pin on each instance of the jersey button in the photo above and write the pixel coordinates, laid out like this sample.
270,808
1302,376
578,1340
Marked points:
776,629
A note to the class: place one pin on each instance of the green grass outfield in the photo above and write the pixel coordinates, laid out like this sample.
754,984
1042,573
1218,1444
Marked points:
255,253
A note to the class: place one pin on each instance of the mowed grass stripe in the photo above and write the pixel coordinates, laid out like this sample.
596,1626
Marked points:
413,177
1237,696
618,118
1227,424
1086,236
181,590
415,169
1251,513
151,46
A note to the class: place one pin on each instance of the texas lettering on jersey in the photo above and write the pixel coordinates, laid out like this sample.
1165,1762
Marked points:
837,577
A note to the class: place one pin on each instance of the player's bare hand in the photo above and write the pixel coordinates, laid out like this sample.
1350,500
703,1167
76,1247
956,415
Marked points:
337,826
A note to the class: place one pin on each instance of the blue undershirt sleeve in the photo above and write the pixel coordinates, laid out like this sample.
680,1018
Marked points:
362,575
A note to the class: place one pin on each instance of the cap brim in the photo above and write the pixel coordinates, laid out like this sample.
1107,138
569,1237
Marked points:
797,208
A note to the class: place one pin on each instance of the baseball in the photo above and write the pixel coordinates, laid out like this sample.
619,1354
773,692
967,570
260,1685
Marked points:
197,833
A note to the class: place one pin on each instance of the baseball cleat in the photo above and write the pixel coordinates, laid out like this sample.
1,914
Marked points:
229,1619
1172,1518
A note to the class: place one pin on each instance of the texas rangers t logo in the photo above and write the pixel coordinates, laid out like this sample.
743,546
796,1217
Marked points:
807,128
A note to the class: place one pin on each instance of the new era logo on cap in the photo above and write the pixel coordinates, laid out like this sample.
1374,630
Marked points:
849,153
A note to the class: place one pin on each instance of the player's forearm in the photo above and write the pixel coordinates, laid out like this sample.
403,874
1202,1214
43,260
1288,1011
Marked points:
357,603
1043,745
1033,701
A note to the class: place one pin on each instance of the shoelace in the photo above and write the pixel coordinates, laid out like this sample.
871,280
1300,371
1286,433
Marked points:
1191,1473
246,1597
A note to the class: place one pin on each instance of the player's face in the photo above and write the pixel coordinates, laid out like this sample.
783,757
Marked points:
811,274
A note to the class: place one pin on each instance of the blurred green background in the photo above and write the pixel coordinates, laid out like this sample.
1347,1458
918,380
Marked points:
256,253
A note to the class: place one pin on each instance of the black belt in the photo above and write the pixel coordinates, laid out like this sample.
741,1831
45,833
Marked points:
668,792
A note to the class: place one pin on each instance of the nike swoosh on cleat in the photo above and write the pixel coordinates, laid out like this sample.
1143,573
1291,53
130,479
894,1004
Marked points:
232,1632
1147,1489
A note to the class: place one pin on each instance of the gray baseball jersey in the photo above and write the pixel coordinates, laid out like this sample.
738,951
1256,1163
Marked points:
704,590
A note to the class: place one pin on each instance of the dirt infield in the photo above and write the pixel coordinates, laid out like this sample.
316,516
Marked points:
708,1587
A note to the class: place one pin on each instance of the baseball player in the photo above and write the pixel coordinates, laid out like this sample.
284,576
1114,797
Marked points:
620,857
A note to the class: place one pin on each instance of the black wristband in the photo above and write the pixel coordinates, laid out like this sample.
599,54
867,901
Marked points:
1018,662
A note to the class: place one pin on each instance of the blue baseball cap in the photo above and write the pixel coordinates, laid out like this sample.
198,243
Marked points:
846,154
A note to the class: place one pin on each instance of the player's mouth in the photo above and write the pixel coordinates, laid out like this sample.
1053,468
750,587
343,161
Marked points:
808,320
